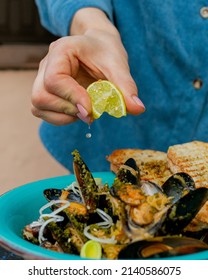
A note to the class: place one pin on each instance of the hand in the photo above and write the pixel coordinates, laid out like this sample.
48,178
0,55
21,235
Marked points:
72,63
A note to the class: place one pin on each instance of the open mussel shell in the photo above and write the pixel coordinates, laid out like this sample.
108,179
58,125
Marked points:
183,211
177,185
54,194
150,188
129,172
162,247
87,185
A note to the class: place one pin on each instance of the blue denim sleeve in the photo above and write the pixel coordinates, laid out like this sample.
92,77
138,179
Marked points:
56,16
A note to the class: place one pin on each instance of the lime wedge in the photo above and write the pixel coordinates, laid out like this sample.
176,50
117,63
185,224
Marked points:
91,249
106,97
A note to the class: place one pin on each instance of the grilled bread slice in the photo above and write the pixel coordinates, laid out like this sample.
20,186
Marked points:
191,158
152,164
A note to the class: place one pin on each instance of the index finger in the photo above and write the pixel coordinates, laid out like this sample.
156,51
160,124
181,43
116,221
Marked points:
60,73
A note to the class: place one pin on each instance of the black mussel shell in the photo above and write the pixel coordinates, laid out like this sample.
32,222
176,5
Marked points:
183,211
54,194
177,185
162,247
86,182
201,235
103,204
129,172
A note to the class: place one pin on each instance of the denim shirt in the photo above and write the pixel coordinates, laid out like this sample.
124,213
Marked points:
167,44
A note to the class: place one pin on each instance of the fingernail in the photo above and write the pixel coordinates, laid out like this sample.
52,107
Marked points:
84,119
83,114
82,110
138,101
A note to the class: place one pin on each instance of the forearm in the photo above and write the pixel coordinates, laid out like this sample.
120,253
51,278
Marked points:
91,18
56,16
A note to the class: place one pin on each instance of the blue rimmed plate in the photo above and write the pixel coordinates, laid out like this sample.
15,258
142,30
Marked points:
20,207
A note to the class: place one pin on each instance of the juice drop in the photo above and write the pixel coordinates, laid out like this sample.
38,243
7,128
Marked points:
88,135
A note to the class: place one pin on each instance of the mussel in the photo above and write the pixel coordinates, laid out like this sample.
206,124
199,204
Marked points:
128,187
178,185
181,213
129,172
76,206
86,182
162,247
56,194
86,185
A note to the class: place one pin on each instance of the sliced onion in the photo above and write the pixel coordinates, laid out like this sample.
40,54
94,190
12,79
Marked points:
107,218
108,222
74,187
53,217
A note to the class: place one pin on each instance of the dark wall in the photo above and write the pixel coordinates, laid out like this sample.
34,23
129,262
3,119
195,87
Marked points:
19,22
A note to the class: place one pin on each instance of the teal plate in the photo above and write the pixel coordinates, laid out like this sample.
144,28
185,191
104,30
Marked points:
20,207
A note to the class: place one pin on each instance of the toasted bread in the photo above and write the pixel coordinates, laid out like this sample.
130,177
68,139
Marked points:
191,158
152,164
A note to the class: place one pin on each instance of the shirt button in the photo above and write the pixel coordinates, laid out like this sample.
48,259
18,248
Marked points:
204,12
197,83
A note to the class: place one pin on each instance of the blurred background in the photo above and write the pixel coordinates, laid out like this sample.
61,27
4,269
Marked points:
23,43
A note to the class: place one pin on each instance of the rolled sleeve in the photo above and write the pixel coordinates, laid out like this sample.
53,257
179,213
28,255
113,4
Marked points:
56,16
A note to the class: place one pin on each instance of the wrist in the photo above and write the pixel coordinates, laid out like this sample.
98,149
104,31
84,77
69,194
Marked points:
91,18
